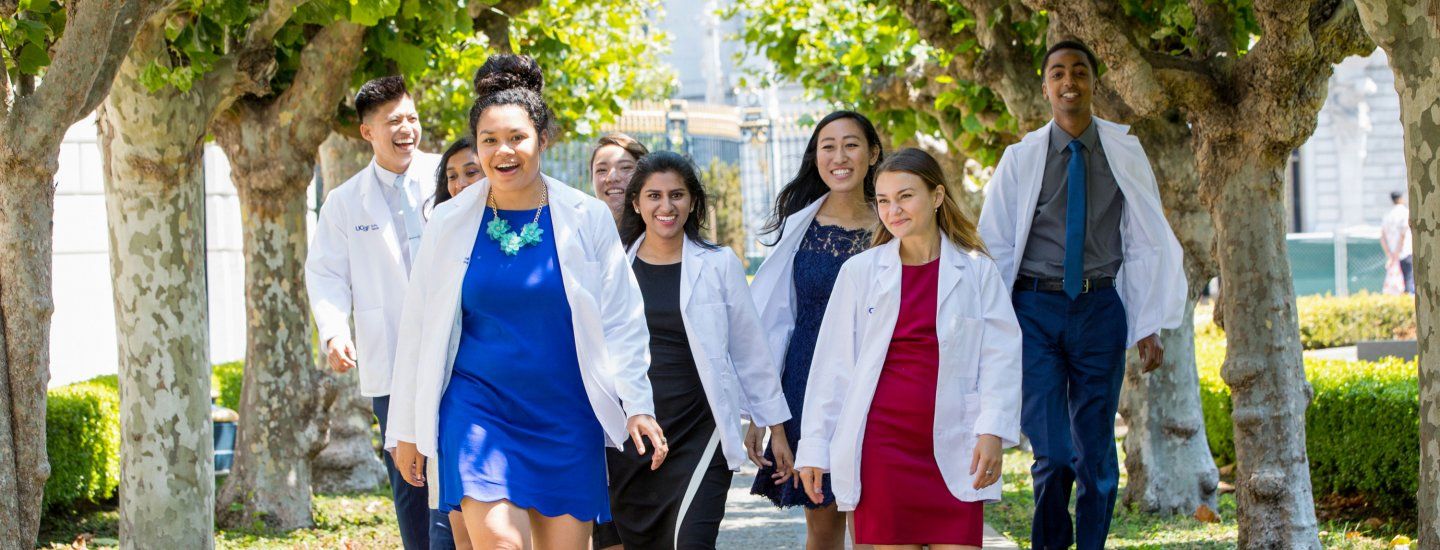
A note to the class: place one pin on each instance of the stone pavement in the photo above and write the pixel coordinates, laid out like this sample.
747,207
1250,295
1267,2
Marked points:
751,522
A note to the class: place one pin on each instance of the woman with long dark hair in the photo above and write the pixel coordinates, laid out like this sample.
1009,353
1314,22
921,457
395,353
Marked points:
709,365
822,218
458,169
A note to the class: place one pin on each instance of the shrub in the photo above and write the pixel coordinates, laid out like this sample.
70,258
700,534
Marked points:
82,435
82,440
1327,321
1362,426
225,382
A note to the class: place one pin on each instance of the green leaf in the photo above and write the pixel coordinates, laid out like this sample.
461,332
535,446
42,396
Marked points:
32,59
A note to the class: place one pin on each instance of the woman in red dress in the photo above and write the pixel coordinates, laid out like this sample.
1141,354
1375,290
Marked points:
915,385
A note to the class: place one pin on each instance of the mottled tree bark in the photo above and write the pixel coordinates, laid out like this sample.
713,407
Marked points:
348,462
1410,34
1167,457
272,143
154,195
33,121
1247,112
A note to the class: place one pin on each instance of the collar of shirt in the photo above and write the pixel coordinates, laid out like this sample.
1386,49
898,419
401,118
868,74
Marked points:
386,177
1060,139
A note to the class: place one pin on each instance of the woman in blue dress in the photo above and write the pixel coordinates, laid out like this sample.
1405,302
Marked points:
822,218
543,364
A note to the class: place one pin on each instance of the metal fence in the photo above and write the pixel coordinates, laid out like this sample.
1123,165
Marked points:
766,147
1339,263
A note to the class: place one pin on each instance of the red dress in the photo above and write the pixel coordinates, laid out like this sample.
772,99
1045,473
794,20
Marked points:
903,498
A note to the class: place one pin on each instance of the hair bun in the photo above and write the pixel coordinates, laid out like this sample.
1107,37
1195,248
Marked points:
508,71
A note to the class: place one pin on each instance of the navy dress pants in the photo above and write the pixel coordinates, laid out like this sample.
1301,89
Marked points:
1074,363
412,507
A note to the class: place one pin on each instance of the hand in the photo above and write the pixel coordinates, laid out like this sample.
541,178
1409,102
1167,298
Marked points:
341,354
814,481
644,425
784,459
985,461
410,463
1152,353
754,440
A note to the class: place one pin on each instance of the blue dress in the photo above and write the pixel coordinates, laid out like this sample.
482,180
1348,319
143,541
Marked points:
515,422
822,251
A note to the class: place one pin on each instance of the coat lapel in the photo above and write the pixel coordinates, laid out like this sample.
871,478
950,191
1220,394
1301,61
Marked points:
374,202
952,266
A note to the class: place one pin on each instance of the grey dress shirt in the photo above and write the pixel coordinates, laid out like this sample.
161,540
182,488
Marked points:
1045,248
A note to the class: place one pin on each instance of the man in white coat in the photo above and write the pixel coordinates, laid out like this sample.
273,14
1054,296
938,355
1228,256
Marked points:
1073,219
359,263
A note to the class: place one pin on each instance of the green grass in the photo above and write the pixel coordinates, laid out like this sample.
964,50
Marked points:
1132,529
365,520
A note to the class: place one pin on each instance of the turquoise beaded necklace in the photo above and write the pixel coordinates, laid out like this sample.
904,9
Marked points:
499,230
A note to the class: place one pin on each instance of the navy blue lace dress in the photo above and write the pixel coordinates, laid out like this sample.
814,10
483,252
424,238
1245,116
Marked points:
817,261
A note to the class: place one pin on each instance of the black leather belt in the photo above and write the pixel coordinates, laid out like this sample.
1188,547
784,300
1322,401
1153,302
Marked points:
1058,285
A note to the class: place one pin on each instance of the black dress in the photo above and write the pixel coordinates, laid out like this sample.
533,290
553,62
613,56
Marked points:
681,504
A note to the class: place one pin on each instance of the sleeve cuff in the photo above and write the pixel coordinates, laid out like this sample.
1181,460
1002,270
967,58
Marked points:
393,440
632,412
1007,431
813,454
770,413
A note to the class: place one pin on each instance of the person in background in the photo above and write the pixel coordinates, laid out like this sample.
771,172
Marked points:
1395,240
915,387
358,264
822,218
612,163
458,169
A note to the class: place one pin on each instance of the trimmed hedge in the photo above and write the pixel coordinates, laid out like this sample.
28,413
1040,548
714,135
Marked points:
82,435
1362,427
225,383
82,439
1328,321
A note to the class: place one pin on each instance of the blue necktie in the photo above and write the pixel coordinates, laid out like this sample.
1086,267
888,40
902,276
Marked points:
1075,222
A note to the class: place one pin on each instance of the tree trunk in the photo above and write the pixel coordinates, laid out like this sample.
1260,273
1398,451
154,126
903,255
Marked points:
27,206
272,142
33,121
349,461
1167,457
154,198
280,405
1263,366
1410,34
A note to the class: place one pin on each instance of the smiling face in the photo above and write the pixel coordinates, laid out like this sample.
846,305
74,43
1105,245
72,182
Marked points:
665,204
393,130
1069,79
610,174
905,205
843,156
461,170
508,147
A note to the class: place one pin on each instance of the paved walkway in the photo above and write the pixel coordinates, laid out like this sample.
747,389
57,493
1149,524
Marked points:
753,523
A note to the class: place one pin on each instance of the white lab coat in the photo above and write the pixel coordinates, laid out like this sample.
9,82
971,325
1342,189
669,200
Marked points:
737,372
774,285
355,265
606,309
1151,281
978,387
